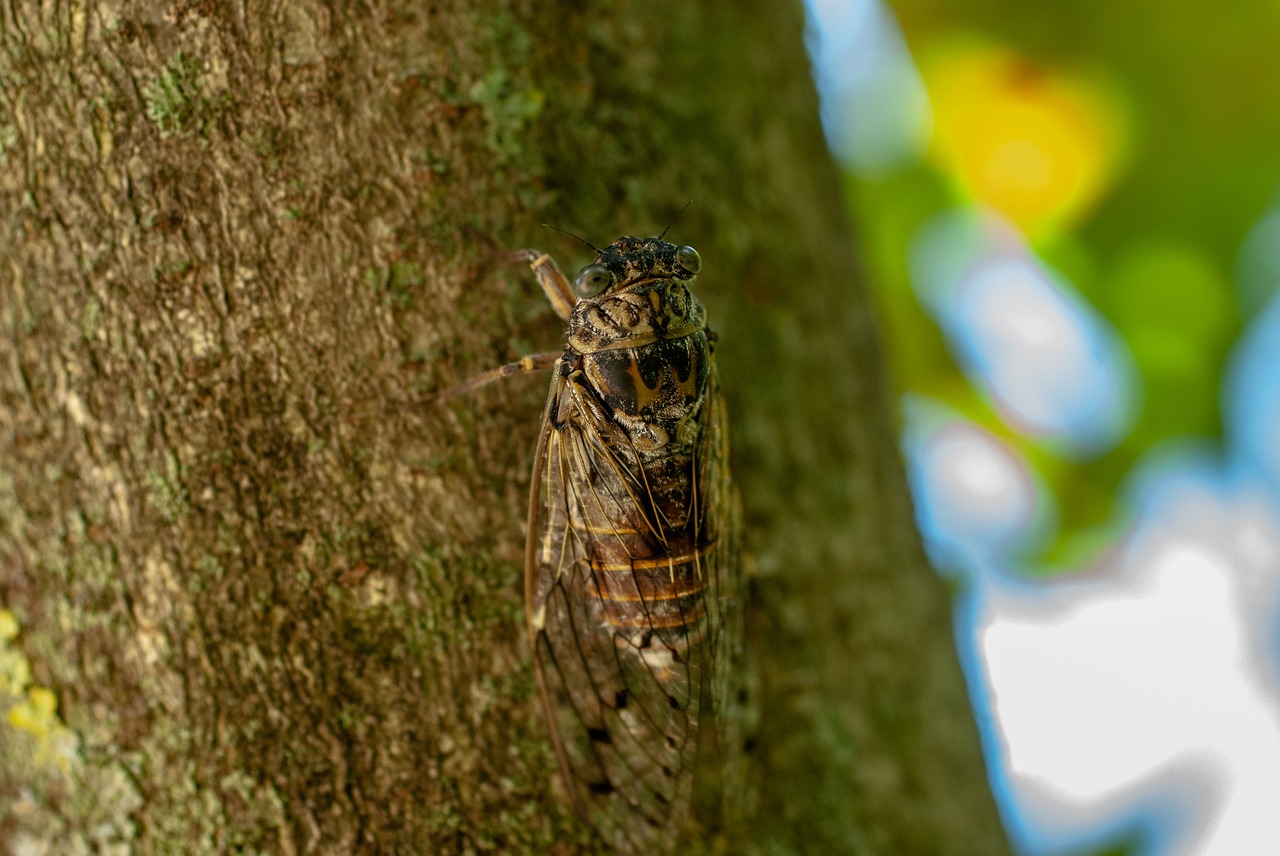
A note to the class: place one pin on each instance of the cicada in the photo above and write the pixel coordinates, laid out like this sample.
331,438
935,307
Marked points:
631,559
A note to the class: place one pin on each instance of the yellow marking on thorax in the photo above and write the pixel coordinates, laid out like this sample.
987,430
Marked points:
689,386
644,393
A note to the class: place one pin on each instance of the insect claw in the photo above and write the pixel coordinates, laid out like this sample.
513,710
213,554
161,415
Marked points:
514,256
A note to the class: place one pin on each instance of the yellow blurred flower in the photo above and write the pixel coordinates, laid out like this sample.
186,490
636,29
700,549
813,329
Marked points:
1035,145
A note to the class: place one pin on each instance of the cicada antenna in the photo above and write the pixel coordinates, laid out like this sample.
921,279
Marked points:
674,219
571,235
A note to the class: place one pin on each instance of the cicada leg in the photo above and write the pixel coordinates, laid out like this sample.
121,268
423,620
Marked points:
530,363
559,293
553,281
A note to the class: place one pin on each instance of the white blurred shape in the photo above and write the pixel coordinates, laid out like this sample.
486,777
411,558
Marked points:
1123,676
978,497
874,106
1141,695
1052,365
1147,682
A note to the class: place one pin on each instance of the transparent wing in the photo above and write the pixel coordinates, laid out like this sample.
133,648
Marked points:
631,597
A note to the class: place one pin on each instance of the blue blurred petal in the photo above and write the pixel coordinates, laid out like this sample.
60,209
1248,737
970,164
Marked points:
1251,397
874,106
1048,362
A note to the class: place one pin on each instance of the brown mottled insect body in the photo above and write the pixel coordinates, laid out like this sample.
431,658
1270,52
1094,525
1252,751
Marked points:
631,560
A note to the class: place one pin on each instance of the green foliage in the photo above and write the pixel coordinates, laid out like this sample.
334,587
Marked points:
1193,166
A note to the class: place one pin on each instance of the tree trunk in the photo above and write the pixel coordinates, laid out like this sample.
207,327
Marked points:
276,598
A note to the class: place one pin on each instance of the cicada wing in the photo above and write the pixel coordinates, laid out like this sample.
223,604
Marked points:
722,777
624,694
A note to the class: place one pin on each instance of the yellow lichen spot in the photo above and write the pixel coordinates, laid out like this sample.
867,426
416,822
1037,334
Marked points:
15,671
30,709
1038,145
36,713
8,625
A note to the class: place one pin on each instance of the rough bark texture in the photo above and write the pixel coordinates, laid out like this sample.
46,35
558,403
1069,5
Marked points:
276,601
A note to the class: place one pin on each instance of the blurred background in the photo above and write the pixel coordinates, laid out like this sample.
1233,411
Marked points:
1069,215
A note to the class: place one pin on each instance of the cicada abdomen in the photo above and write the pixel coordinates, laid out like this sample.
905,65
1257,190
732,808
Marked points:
631,560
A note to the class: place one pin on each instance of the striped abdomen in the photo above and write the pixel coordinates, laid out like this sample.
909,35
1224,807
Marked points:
641,517
647,585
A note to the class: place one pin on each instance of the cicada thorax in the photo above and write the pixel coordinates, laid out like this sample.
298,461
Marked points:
645,530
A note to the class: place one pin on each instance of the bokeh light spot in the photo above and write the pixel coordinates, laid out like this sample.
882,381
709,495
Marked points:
1037,146
1148,277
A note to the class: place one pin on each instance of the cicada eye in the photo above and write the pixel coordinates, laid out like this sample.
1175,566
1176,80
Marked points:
688,258
592,280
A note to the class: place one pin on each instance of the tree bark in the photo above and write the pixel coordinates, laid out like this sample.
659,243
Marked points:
276,598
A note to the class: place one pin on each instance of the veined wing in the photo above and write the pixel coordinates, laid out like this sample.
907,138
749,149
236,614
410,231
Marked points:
628,567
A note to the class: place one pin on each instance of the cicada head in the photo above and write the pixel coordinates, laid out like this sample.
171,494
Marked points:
631,260
637,291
